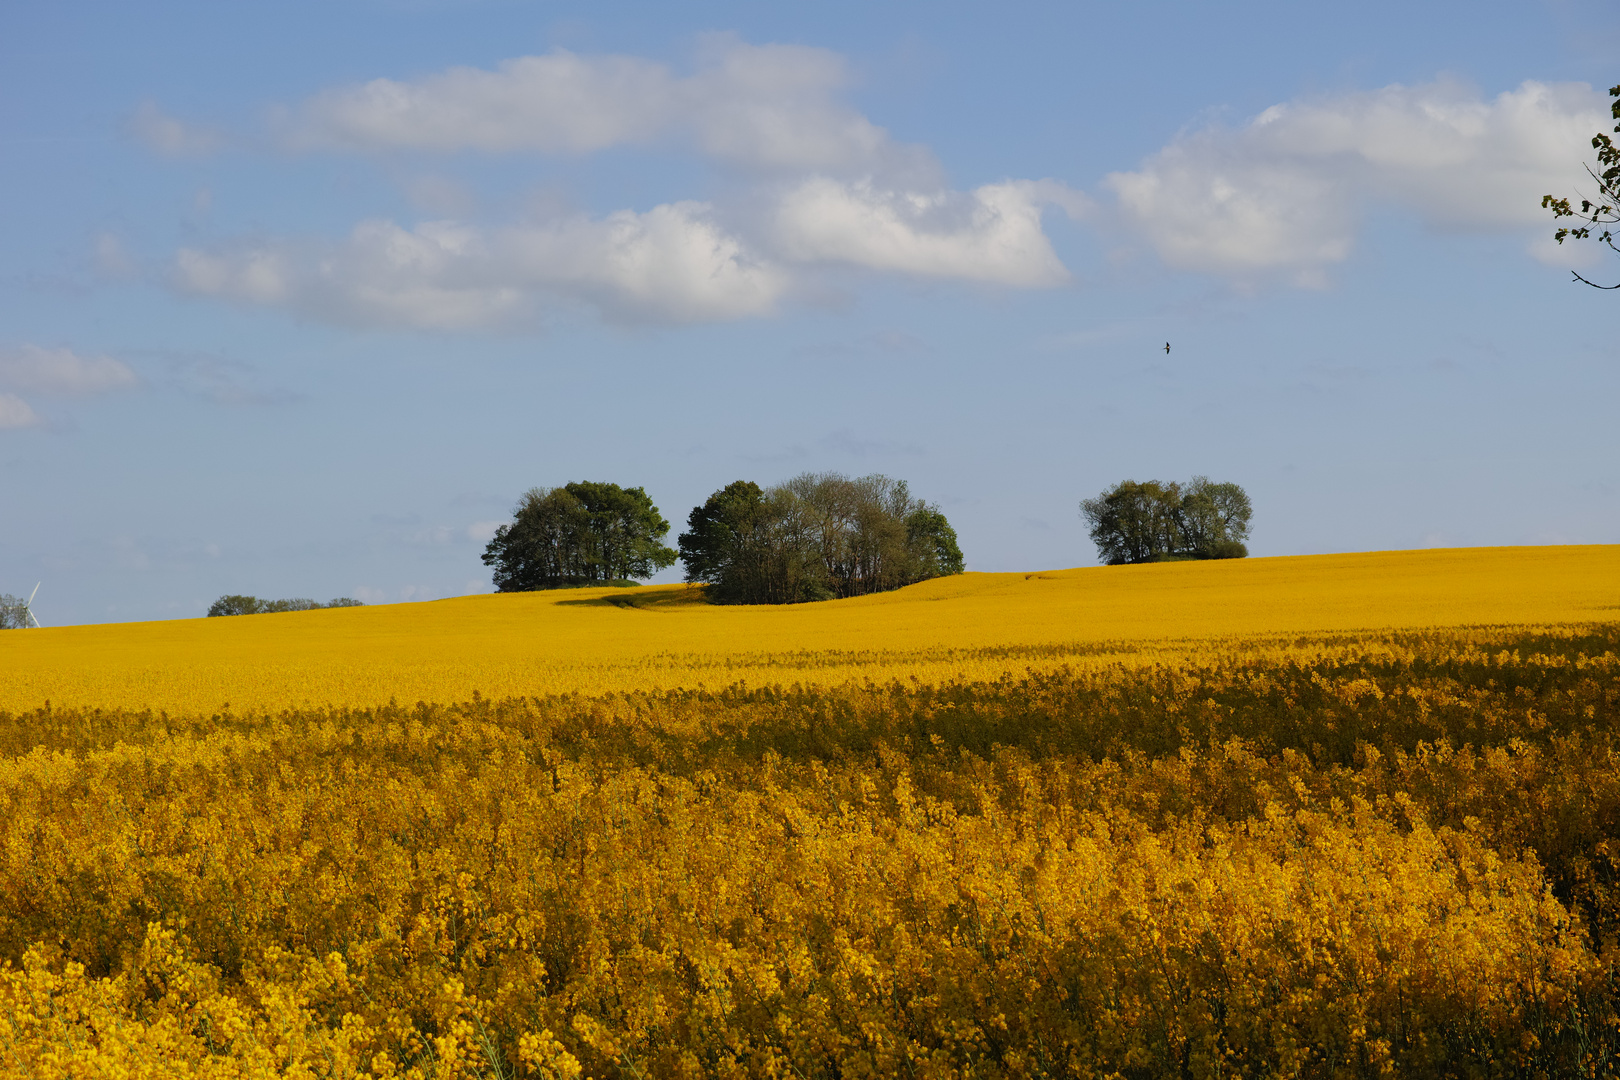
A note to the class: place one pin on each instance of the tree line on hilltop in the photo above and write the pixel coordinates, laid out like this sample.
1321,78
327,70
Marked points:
821,536
233,604
818,536
815,537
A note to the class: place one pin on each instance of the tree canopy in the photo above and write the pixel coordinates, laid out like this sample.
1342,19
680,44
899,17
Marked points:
817,536
1603,210
1151,521
578,534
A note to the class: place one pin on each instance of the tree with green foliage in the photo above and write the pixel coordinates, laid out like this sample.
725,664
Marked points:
932,544
578,534
751,547
1213,520
815,537
1151,521
1600,212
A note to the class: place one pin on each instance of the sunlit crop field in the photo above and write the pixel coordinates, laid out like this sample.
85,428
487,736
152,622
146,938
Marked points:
975,626
1347,816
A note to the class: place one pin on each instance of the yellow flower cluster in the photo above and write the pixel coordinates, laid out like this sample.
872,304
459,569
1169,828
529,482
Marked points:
1284,851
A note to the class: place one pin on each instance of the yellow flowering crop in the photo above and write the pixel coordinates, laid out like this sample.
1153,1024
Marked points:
1347,816
598,641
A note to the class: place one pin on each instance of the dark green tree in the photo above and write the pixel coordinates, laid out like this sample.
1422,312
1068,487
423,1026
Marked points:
1213,520
625,533
750,547
932,543
1602,211
1135,522
1151,521
233,604
578,534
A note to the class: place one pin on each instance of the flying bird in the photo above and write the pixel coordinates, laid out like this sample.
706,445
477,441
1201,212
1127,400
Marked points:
1167,348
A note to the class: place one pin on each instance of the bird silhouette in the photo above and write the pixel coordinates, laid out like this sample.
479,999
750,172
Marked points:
1167,348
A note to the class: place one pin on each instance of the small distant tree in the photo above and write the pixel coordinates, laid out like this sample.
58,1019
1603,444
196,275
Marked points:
252,605
14,613
1152,521
1603,210
578,534
235,605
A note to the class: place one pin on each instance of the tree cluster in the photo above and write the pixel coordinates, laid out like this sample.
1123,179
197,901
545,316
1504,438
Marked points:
578,534
1157,522
1603,211
815,537
233,604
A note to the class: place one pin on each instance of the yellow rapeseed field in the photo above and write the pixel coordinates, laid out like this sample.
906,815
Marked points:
975,626
1326,817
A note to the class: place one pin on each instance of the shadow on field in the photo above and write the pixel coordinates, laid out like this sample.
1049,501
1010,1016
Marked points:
662,600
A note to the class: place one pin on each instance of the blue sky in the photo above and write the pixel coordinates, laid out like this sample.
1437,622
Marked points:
296,299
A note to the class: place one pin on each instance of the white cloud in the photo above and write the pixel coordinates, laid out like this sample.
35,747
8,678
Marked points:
671,264
674,263
1283,192
763,106
167,135
62,371
992,234
16,413
837,191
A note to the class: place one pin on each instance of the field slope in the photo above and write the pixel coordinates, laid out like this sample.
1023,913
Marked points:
975,626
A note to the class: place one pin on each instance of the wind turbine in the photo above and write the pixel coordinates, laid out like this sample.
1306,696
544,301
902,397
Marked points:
28,608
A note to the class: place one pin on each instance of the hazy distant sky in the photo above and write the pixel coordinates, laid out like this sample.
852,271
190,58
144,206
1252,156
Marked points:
297,298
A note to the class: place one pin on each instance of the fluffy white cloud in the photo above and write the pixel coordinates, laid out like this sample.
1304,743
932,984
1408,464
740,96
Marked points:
167,135
62,371
765,106
835,189
15,413
672,264
1282,192
992,234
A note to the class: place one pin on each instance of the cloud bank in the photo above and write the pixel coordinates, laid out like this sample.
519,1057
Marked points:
1285,191
676,263
35,369
670,264
769,107
825,192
